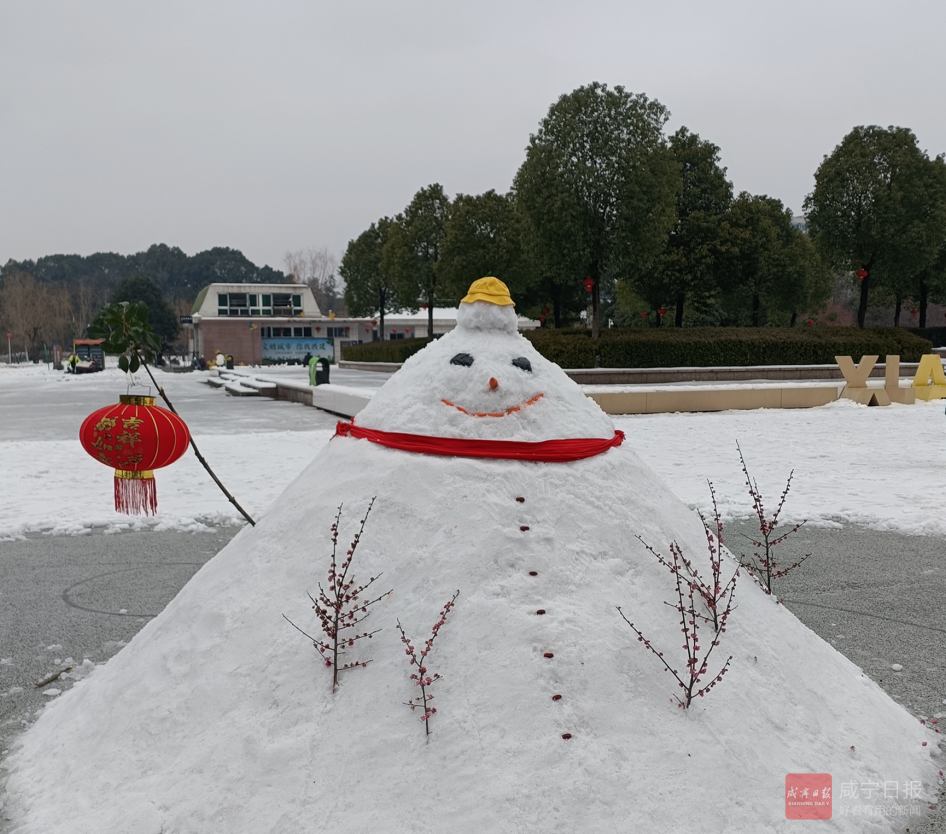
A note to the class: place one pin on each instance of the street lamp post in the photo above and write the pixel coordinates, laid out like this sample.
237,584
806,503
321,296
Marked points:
9,349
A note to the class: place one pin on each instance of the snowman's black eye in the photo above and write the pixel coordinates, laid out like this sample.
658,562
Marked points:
462,359
523,364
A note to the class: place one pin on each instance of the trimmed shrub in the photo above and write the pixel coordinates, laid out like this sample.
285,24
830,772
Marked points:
670,347
937,335
396,350
690,347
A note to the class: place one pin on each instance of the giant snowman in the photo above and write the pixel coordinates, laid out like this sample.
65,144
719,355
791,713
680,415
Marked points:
495,477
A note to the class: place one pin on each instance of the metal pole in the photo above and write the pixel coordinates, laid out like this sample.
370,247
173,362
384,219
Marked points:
9,349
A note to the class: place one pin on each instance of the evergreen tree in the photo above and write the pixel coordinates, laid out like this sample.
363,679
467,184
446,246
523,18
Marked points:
599,187
164,321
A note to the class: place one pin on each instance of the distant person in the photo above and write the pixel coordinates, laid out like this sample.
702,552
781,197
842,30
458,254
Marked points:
73,361
202,363
307,358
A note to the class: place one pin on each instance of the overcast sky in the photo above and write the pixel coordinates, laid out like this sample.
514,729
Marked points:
279,125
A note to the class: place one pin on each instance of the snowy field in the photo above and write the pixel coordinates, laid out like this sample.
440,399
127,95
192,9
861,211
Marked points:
878,467
214,721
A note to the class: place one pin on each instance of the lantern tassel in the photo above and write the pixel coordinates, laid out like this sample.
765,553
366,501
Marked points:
135,492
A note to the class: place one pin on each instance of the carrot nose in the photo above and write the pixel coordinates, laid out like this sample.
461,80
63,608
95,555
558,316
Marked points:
493,383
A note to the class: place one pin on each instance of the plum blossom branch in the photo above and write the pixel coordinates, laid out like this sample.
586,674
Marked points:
423,677
342,606
762,565
718,600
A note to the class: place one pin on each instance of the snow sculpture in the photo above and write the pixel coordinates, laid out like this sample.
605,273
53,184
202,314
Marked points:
471,381
485,382
218,716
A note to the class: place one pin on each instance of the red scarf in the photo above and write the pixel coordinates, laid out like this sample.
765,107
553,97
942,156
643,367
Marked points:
547,451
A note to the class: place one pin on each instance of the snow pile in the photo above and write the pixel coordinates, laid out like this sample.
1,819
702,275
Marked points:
219,716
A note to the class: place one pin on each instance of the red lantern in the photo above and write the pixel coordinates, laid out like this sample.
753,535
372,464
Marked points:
318,329
423,305
407,330
913,313
542,319
348,330
662,312
134,437
394,330
545,310
589,283
374,323
861,274
643,315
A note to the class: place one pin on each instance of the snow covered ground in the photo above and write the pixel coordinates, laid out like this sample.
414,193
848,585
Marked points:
550,718
879,467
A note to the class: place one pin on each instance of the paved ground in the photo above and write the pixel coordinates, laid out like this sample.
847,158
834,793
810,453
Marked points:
62,598
877,597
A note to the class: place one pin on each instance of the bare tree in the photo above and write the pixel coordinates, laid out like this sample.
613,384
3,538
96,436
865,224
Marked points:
83,307
317,268
34,313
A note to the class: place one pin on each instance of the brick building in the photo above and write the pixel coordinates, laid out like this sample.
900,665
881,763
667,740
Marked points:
259,323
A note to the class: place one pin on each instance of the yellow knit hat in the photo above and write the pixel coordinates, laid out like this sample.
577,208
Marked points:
489,289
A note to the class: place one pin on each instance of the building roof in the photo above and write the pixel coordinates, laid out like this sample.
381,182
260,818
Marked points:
206,304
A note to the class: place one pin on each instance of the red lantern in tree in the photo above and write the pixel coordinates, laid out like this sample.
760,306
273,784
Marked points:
545,310
134,437
542,319
374,323
589,283
913,313
643,315
662,312
861,274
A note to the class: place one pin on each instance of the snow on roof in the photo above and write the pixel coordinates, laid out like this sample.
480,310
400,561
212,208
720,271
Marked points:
442,315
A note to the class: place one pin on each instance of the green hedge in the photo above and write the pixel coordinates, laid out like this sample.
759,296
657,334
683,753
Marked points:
937,335
706,347
396,350
671,347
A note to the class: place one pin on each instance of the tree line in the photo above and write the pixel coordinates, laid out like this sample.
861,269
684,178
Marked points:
609,219
55,298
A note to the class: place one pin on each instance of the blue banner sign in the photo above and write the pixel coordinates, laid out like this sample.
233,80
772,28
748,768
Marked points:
276,350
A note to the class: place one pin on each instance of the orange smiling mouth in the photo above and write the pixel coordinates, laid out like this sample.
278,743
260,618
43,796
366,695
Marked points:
508,411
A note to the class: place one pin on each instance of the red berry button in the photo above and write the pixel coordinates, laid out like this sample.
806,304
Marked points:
533,573
521,500
523,528
540,611
556,697
566,736
548,654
